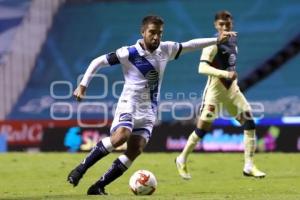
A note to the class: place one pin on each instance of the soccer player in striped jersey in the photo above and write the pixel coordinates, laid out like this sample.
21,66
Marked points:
143,65
221,91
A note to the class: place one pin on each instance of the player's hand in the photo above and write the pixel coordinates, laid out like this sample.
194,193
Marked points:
232,75
79,92
223,36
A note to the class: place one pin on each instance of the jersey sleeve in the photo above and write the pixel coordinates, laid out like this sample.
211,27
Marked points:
112,58
208,54
173,49
105,60
122,54
205,66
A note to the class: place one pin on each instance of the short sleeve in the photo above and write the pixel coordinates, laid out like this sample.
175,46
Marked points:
122,54
208,53
173,49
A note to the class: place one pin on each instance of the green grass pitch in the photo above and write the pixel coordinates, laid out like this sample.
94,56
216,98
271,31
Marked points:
31,176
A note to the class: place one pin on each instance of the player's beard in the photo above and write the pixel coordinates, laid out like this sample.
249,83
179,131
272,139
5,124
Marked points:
153,46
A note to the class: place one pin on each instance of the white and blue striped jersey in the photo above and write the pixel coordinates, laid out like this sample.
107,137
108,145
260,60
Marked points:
143,73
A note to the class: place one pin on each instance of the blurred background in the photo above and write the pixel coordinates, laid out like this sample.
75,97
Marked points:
45,45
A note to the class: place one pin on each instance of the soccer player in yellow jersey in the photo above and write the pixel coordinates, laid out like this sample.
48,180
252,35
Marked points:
221,91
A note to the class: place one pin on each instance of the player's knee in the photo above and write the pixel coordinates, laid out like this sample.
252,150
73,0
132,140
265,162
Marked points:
200,132
249,124
120,136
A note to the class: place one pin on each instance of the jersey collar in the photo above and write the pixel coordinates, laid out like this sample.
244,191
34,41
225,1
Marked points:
143,52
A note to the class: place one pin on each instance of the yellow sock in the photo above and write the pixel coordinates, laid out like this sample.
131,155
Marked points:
250,146
189,147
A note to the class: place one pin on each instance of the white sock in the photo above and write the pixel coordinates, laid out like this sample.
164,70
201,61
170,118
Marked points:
250,147
107,144
125,160
188,148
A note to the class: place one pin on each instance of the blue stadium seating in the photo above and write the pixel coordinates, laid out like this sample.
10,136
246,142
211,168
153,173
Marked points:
82,31
11,15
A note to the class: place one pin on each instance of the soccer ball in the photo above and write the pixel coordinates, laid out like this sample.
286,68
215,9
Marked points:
142,182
